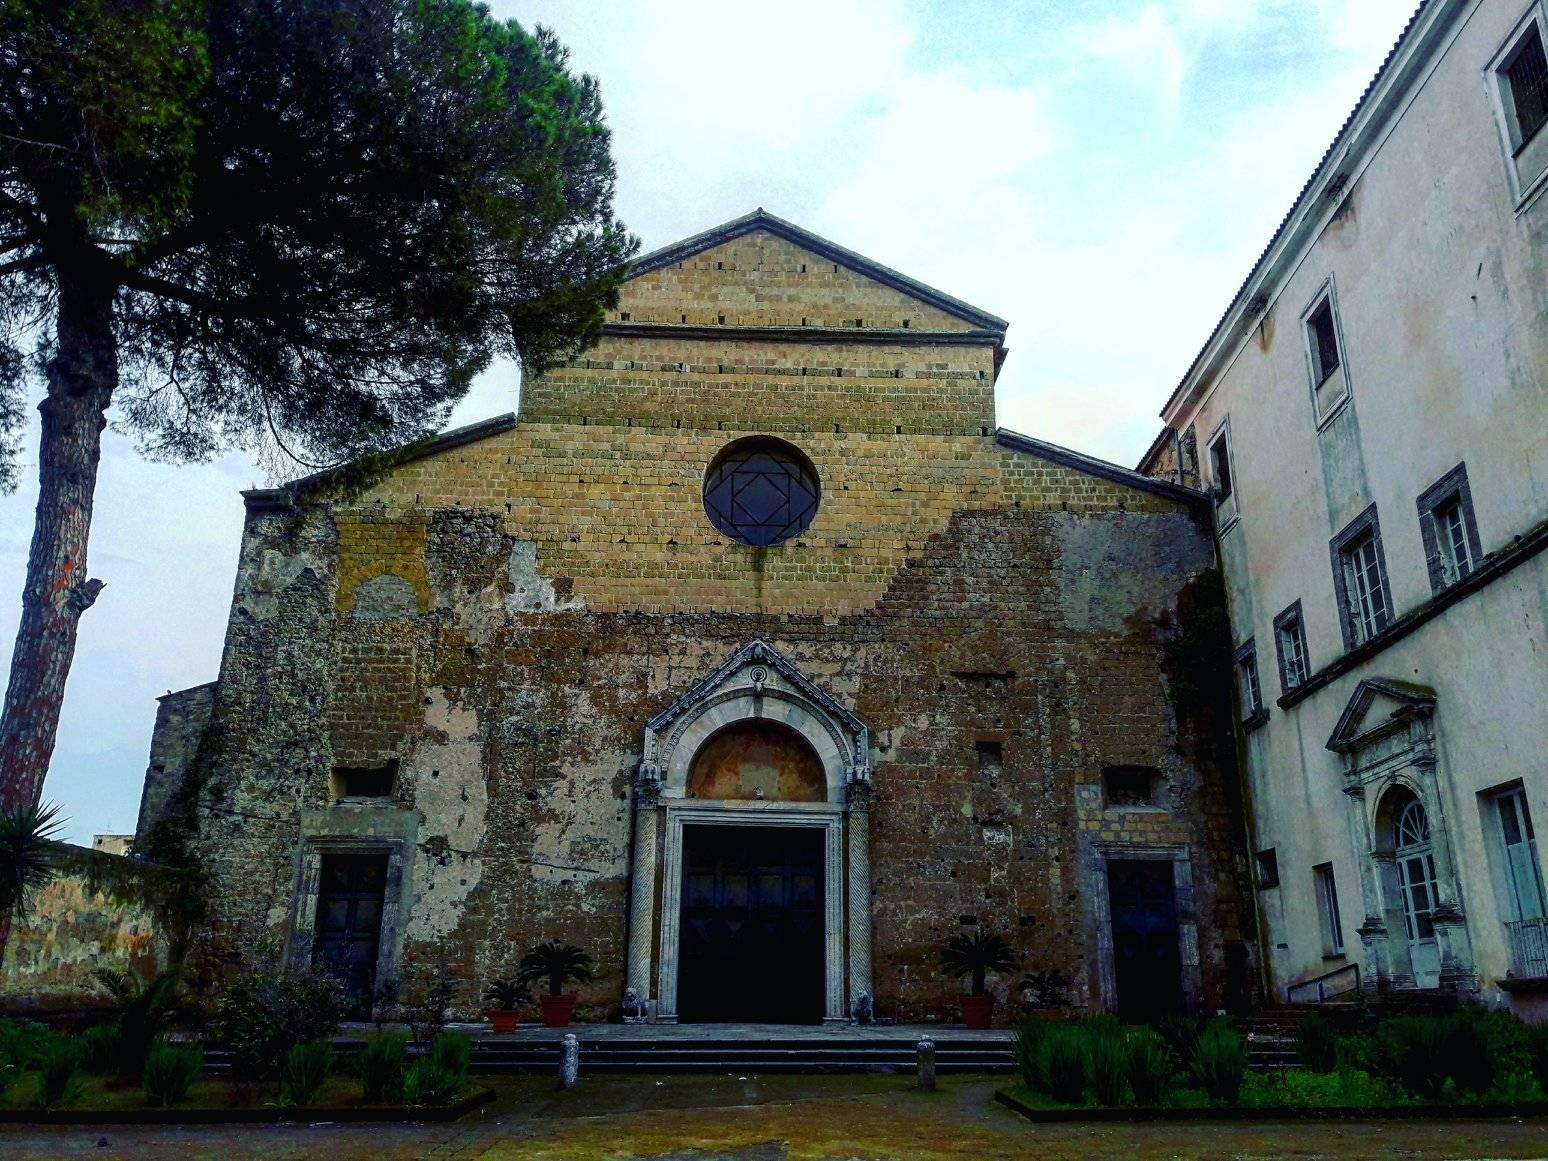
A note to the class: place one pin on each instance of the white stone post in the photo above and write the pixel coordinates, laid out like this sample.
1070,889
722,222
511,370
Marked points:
642,887
860,890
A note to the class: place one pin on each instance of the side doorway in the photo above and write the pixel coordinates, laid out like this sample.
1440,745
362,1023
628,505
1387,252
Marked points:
350,894
1147,954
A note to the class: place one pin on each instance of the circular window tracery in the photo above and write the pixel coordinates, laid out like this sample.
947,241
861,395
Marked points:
761,491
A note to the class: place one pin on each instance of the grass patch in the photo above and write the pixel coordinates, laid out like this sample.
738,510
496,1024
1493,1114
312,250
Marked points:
103,1094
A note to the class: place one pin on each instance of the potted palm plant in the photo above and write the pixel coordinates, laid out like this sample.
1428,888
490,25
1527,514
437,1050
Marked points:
1047,993
977,955
555,963
504,996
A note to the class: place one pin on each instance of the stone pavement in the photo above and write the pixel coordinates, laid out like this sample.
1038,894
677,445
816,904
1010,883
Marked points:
777,1118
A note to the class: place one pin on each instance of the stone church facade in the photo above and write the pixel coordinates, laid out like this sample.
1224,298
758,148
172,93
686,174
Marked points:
752,656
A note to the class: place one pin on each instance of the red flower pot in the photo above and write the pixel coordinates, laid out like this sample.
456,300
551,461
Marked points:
557,1010
504,1020
977,1011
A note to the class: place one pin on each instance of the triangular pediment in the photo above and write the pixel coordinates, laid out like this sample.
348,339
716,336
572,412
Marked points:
757,664
1377,707
760,270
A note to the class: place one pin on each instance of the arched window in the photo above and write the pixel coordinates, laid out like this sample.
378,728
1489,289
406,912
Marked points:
761,491
1416,868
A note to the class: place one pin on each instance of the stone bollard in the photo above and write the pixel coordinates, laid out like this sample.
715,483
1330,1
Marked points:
569,1061
926,1051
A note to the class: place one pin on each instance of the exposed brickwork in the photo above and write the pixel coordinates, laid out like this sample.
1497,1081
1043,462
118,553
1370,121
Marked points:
558,583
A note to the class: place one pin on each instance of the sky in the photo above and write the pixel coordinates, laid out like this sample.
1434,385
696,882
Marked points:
1101,174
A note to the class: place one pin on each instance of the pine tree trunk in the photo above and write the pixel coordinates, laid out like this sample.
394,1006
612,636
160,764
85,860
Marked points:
82,377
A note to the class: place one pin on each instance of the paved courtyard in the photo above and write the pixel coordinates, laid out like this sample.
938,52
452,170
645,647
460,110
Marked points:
794,1118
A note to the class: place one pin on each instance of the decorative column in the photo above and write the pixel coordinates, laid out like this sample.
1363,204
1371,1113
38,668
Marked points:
859,801
642,886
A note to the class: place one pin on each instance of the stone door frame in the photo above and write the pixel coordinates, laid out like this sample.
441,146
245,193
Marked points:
303,929
1181,859
756,683
819,815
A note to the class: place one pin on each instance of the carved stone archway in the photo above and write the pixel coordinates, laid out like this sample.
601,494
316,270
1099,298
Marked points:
755,683
1386,736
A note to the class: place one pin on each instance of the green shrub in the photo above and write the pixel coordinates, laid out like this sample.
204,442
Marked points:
144,1009
1107,1063
1061,1063
22,1043
453,1051
1315,1044
1536,1044
57,1068
1220,1061
262,1016
381,1064
1467,1050
1409,1051
306,1067
100,1049
1181,1036
1150,1066
429,1083
1026,1048
170,1071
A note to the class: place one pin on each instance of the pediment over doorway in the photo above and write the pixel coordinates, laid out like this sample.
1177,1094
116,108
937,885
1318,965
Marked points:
756,683
1379,706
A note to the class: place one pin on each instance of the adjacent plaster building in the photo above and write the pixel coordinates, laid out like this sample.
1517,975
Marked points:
1369,416
751,656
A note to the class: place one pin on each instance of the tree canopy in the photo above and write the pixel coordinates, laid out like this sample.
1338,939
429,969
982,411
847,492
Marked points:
305,223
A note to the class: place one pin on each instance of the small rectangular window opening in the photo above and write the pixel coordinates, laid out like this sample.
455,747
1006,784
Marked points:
1526,84
1220,468
1248,685
991,756
365,781
1327,910
1324,341
1131,785
1291,634
1268,869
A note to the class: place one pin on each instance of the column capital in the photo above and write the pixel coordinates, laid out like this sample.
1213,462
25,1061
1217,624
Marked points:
858,796
647,785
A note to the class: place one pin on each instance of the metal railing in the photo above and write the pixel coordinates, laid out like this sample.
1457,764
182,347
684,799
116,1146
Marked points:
1528,947
1325,990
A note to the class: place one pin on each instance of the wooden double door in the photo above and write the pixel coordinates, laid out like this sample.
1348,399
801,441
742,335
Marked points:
752,934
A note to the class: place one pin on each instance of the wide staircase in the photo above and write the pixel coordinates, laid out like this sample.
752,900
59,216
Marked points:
829,1054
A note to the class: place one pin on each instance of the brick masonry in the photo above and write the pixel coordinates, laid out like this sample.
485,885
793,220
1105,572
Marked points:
501,617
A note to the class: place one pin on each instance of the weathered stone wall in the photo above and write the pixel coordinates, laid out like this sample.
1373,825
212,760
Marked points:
181,719
502,617
100,911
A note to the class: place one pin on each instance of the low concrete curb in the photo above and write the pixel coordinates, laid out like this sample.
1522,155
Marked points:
308,1114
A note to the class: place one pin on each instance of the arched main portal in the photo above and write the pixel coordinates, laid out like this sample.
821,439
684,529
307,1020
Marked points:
754,787
1404,832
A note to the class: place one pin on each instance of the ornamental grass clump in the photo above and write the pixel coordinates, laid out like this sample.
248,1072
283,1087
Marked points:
1061,1064
306,1067
1150,1066
453,1051
1220,1061
170,1071
58,1069
429,1083
382,1063
100,1049
1409,1051
1316,1046
1107,1065
1026,1048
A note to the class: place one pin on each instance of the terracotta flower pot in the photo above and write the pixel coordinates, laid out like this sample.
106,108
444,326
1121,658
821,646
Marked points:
557,1010
503,1019
977,1011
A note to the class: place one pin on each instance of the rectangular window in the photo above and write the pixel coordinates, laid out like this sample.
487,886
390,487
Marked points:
1324,341
1220,468
1327,910
1248,687
1525,86
1325,353
1360,579
1268,869
1524,895
1290,637
1448,529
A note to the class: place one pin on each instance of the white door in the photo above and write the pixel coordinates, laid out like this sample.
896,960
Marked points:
1416,878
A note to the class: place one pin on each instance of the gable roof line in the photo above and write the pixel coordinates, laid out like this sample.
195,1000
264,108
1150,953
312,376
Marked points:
1104,469
761,219
285,495
1411,697
1342,146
